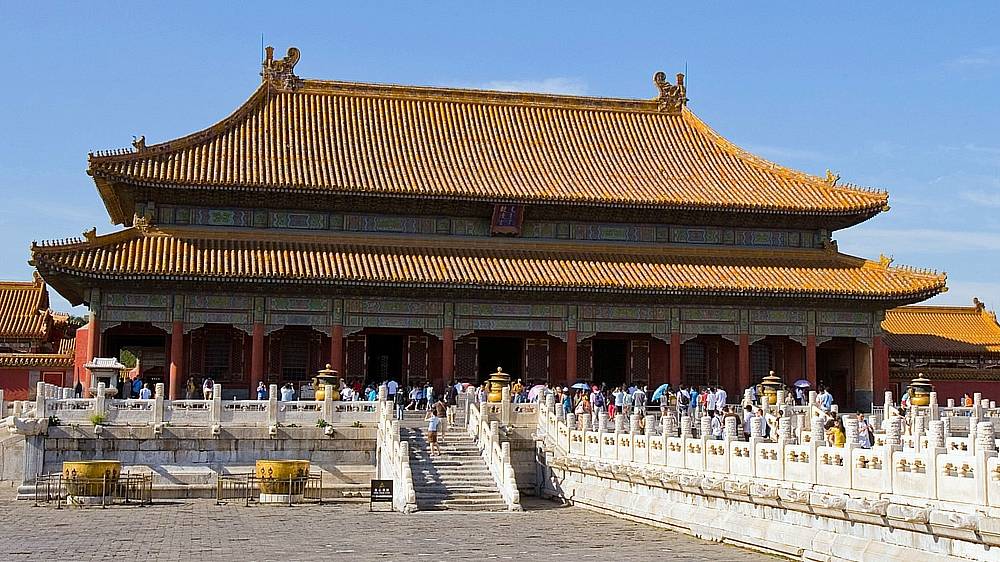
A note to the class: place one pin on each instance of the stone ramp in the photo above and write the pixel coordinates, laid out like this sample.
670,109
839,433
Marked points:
457,480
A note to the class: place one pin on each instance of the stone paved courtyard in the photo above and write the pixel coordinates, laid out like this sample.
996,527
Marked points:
200,530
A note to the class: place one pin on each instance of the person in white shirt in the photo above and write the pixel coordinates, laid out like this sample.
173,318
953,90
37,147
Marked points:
717,426
347,394
391,387
145,393
720,399
710,402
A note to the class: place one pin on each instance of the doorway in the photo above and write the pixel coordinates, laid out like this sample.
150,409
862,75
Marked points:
507,353
833,370
385,358
610,360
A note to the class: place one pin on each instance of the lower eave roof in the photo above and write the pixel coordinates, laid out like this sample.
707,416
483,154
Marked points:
942,330
36,361
189,254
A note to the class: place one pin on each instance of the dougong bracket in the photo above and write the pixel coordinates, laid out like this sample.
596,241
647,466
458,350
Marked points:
280,73
672,97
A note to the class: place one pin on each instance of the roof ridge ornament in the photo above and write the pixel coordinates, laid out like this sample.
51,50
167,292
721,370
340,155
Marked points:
139,144
885,261
673,97
279,73
142,223
831,178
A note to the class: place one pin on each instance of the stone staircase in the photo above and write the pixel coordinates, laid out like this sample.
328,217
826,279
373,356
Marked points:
457,480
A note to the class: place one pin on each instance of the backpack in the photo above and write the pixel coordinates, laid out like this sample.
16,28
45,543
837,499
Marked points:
685,399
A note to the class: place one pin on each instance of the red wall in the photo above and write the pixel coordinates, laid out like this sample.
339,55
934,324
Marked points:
14,383
81,358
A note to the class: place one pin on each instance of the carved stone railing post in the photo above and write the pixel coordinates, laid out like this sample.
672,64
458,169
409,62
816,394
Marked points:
585,422
917,430
817,431
650,428
100,400
729,432
686,430
620,423
505,405
40,391
328,401
784,430
935,411
272,405
158,404
571,421
602,421
669,426
633,423
217,404
935,435
3,406
705,429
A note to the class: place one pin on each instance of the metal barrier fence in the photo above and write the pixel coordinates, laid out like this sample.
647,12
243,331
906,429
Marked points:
126,489
246,488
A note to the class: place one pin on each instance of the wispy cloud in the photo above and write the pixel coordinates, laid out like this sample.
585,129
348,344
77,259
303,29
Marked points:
979,60
553,85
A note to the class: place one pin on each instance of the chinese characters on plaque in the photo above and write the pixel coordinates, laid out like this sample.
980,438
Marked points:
507,219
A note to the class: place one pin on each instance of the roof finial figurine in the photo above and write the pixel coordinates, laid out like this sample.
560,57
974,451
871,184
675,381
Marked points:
90,235
139,143
831,178
279,73
980,306
672,97
141,222
884,261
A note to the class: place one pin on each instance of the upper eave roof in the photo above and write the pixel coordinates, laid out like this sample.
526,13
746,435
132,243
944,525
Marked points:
444,262
315,136
942,329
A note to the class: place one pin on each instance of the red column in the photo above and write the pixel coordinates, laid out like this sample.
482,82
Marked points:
176,358
571,336
447,355
811,361
337,349
94,343
675,359
743,366
880,367
257,357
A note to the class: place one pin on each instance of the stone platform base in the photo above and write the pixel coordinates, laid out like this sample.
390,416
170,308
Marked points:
796,534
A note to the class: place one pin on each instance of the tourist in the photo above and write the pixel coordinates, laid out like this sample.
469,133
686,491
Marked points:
414,399
78,390
716,425
136,387
824,400
372,393
619,400
440,410
347,395
597,400
664,403
516,390
720,399
710,397
747,416
692,401
399,401
866,435
261,391
567,401
800,396
207,387
434,424
428,395
639,401
190,389
390,388
288,392
835,433
145,393
451,399
682,400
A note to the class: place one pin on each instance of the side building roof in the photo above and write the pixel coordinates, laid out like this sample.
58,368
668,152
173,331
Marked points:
24,314
187,254
328,137
942,329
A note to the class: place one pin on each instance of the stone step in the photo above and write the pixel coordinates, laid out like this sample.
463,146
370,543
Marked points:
461,506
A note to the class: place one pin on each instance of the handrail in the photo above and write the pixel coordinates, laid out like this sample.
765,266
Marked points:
393,460
496,453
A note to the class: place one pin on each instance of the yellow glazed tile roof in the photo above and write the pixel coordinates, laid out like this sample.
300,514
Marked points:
424,142
23,310
184,253
942,329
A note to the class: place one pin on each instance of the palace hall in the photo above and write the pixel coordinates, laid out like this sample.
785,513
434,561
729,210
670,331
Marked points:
427,233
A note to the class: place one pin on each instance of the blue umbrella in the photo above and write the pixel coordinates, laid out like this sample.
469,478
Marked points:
660,390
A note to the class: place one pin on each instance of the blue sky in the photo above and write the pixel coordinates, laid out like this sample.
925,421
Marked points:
903,96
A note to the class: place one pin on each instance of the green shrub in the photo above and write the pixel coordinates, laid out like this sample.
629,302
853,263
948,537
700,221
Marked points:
97,419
